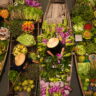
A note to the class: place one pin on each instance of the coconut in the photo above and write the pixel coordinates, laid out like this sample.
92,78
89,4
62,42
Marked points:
19,59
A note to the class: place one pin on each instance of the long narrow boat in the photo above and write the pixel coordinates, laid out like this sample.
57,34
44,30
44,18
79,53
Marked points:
4,47
56,18
86,74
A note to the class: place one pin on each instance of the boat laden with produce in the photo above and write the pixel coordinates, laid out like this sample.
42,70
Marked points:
4,45
25,17
54,49
83,17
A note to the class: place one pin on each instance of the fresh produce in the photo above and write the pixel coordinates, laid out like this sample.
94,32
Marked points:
19,2
31,13
15,28
25,12
94,13
80,50
2,47
26,85
83,68
4,13
28,26
4,33
81,58
77,19
33,55
83,10
19,59
12,75
94,23
87,35
18,49
26,39
88,27
78,28
90,48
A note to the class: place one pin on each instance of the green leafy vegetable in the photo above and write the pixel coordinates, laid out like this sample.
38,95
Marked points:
84,11
83,68
12,75
26,39
80,49
78,28
90,48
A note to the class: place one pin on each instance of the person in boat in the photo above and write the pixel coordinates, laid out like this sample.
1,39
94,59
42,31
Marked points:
54,47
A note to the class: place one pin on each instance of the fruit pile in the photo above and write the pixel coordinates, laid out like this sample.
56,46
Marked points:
28,26
26,85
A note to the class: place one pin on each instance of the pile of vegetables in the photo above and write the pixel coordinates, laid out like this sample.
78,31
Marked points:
55,69
26,39
3,47
26,85
23,10
83,19
19,48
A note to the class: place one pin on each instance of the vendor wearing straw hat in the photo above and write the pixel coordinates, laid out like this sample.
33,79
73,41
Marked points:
55,47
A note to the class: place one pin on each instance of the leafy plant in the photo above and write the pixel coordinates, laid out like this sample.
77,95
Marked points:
26,39
12,75
90,48
84,11
15,28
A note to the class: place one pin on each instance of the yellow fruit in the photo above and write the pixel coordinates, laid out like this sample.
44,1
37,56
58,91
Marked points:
87,35
30,82
4,13
25,88
16,88
24,83
41,59
32,86
81,58
28,90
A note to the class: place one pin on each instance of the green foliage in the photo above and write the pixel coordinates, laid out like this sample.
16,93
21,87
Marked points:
12,75
25,12
84,11
26,39
83,68
15,28
77,19
90,47
78,28
3,46
52,71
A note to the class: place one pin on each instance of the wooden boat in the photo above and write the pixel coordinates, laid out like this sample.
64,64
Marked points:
31,66
3,57
87,87
55,13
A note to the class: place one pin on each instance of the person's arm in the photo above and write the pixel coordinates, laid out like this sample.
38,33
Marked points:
50,53
62,51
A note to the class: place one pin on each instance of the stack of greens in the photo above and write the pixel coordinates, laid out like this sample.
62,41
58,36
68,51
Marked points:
19,10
